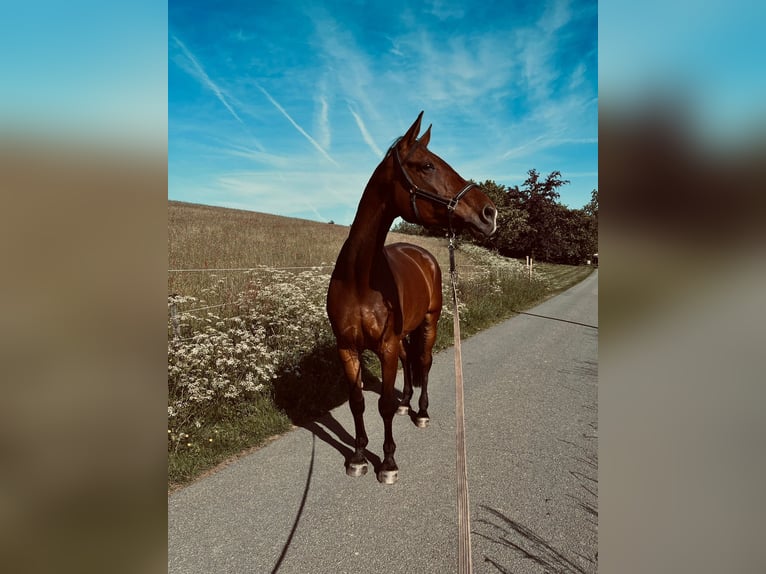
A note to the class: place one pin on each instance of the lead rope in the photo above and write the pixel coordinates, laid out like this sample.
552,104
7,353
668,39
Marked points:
463,508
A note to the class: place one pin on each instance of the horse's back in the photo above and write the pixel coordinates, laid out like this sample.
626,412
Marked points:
408,252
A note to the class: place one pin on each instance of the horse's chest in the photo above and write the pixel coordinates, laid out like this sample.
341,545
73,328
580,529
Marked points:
365,320
373,322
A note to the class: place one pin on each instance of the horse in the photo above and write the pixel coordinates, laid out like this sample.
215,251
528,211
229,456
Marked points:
388,299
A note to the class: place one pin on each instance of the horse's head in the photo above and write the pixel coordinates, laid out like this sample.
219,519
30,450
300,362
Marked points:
429,192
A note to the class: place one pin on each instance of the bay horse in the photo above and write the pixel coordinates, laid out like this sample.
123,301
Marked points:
388,298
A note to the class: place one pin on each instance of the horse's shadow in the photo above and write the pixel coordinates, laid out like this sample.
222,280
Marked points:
344,443
310,390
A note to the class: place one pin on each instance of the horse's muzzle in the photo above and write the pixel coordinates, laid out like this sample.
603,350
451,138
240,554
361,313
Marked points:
489,218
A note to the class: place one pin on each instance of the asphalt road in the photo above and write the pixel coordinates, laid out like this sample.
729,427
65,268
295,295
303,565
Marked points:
532,441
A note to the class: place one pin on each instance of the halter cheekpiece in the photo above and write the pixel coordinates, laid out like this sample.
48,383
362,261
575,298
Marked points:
416,192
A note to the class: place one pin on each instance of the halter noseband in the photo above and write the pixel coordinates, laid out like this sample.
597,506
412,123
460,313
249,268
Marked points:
416,192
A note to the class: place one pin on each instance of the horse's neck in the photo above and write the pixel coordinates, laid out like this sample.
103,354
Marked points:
363,250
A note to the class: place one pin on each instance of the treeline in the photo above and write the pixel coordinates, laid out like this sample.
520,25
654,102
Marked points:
532,221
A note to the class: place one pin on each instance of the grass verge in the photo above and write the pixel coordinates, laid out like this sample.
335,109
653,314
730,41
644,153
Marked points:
317,385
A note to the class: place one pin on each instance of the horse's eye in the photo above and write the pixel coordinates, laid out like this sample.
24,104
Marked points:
428,166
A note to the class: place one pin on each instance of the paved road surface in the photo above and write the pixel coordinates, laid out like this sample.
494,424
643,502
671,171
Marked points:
531,423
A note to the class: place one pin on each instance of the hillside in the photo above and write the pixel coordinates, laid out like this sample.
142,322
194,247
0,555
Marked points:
206,237
226,241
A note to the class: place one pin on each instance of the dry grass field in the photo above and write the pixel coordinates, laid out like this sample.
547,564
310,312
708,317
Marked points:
206,238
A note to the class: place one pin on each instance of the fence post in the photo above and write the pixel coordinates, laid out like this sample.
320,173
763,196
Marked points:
174,320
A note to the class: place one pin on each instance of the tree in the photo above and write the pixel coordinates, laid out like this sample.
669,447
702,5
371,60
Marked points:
539,199
591,211
511,219
403,226
531,221
591,208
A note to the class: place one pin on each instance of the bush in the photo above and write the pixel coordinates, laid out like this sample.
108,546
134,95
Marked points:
219,362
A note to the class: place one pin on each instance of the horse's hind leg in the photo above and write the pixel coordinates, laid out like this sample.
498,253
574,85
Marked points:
357,464
404,404
422,364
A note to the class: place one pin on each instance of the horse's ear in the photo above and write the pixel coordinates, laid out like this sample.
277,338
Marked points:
412,134
426,137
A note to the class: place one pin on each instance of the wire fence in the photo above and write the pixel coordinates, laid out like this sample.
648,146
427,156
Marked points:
176,302
303,268
260,268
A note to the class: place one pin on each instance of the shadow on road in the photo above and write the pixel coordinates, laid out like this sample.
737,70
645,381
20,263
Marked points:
556,319
317,384
496,527
500,529
289,540
312,387
340,439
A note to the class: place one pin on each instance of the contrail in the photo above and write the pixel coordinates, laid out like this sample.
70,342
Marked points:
543,142
534,144
205,79
314,209
297,127
365,134
324,122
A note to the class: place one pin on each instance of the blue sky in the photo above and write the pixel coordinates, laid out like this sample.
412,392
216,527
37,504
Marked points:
288,107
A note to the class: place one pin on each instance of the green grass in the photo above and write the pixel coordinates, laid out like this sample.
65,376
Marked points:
559,278
491,289
234,429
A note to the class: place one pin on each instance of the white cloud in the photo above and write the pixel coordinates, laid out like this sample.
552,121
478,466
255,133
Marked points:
260,157
289,192
556,15
577,77
446,10
347,65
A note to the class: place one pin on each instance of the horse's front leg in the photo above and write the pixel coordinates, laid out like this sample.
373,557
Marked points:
387,405
357,464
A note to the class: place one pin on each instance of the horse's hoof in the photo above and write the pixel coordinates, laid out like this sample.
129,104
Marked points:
356,469
388,476
403,410
422,422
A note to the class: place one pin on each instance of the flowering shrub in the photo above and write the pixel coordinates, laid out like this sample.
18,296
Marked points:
227,346
291,307
216,361
490,263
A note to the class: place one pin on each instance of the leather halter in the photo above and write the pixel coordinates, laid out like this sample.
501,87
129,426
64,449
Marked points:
416,193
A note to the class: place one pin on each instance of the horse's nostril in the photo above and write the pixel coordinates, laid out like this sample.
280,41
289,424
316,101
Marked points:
488,212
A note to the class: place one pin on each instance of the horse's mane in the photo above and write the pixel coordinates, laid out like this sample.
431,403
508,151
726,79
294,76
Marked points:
393,145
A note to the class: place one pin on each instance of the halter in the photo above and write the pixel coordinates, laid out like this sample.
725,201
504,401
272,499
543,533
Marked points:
416,192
